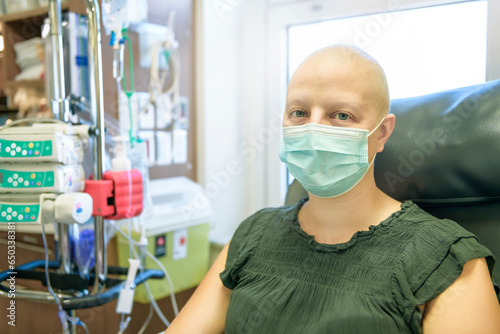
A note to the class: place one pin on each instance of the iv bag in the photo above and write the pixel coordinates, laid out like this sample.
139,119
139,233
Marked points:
83,245
118,14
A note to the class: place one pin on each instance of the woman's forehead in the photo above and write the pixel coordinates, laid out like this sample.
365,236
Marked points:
332,82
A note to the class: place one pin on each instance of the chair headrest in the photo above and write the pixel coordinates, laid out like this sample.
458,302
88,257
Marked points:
445,148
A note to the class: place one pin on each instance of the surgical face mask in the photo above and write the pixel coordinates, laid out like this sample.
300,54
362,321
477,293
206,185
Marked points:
327,160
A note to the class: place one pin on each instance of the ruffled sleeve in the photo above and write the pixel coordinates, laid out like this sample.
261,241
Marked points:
430,263
242,246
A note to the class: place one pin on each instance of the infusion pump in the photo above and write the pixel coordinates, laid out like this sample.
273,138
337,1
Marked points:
40,165
38,178
56,143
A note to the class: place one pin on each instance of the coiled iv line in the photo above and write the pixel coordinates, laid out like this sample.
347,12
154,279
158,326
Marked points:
142,249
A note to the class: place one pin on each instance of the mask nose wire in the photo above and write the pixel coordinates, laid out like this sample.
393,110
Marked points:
383,119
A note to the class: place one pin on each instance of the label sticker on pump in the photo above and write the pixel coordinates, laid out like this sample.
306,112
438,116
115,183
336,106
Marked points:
25,149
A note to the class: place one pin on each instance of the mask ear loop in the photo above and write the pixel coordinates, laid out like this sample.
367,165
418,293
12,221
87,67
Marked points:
383,119
373,160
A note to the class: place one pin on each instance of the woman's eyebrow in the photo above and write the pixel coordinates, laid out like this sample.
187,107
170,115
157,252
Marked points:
327,105
342,104
294,101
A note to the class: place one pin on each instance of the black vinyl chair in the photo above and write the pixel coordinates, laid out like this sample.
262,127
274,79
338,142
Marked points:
444,155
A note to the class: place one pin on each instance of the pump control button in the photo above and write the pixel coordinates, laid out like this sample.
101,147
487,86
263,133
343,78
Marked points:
10,180
18,149
7,149
4,213
30,145
9,217
15,176
15,183
14,214
13,145
9,209
26,209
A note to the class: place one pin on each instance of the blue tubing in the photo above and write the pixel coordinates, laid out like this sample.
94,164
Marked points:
108,295
89,301
27,266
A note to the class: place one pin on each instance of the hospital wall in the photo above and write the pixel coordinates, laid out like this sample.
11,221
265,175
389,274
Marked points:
232,146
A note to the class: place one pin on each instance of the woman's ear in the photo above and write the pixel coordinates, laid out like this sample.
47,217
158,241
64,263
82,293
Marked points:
385,131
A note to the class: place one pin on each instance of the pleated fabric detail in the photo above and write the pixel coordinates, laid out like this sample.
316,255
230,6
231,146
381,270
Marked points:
283,281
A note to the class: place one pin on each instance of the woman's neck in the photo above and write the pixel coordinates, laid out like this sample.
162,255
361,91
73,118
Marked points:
335,220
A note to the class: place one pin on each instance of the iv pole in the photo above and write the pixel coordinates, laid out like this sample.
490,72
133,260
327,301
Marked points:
60,108
96,97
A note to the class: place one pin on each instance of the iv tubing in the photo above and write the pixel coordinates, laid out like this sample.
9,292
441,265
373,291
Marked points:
62,314
146,285
165,272
155,305
59,103
123,324
148,320
172,295
131,91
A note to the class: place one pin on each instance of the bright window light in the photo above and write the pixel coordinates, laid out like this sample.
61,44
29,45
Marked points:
422,50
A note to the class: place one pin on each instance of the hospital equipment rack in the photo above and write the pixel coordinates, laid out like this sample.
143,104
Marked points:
98,280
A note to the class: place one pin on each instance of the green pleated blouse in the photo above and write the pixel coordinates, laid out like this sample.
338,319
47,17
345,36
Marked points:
283,281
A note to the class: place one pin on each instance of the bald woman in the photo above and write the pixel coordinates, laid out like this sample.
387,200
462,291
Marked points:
348,259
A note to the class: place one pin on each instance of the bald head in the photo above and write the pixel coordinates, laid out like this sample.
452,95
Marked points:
367,66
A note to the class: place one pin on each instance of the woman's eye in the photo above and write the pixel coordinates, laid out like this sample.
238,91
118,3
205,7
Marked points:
298,113
342,116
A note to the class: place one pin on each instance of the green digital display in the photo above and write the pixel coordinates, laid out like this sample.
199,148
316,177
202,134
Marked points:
19,213
16,179
25,149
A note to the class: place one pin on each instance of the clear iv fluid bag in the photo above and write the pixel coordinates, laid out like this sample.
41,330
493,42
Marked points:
118,14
